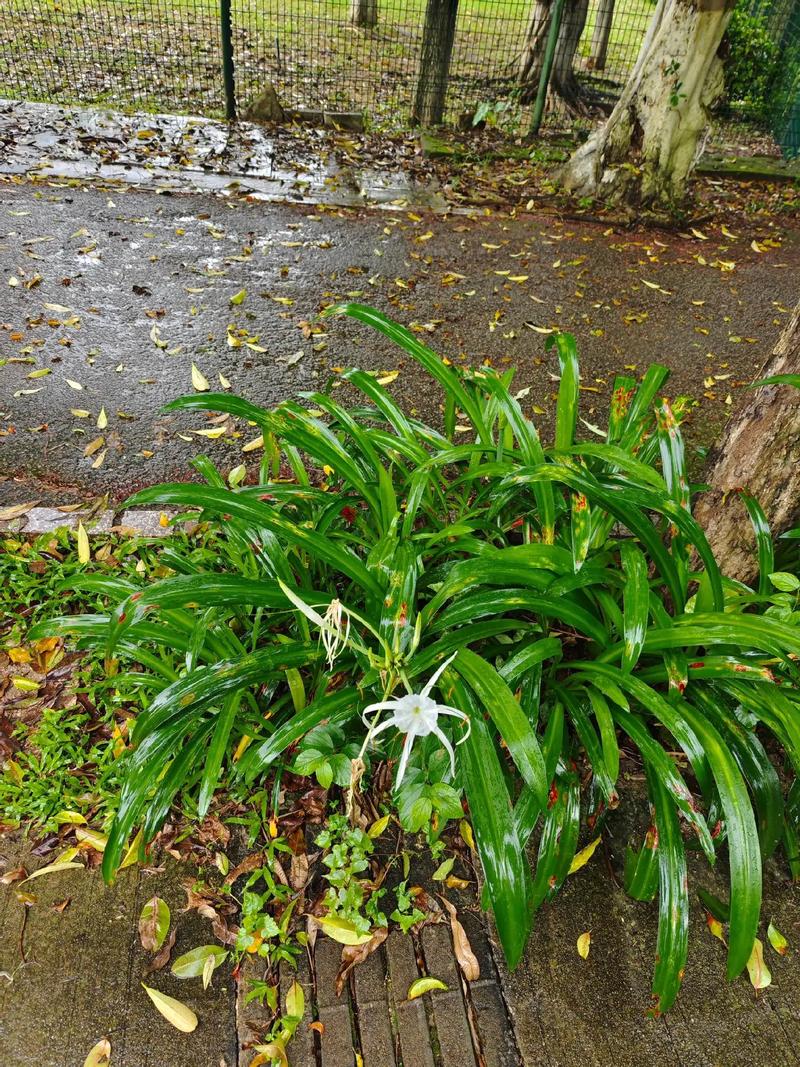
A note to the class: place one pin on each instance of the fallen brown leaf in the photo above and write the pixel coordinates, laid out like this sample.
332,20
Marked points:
352,955
467,960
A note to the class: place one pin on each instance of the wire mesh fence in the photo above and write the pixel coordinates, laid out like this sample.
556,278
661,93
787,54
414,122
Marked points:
165,54
338,55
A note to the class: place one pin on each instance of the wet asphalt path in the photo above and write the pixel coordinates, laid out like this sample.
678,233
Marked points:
109,296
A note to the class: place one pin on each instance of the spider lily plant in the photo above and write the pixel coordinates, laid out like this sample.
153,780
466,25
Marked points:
563,597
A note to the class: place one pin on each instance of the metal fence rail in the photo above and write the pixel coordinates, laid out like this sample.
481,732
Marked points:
167,55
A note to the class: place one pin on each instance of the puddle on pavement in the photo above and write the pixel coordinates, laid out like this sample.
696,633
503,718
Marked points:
190,154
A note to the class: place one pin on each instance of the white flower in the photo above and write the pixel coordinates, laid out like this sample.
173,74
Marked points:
334,625
416,715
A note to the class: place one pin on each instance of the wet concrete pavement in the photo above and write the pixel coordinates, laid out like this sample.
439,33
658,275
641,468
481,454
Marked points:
110,294
71,963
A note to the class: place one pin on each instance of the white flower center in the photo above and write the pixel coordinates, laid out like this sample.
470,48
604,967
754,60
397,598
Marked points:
415,714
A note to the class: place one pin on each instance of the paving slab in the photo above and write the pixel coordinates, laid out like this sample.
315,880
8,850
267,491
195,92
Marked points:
47,520
81,977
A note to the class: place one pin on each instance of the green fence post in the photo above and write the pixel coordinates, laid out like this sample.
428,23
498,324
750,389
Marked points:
227,59
547,67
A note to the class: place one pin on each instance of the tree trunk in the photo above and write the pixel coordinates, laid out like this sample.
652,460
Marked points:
364,13
647,148
564,87
759,451
601,35
434,67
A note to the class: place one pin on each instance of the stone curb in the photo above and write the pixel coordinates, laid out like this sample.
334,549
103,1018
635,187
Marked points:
130,522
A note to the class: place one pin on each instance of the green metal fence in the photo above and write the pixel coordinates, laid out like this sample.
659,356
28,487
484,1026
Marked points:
181,55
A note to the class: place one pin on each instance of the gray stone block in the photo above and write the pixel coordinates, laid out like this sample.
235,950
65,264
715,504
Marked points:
147,523
410,1018
47,520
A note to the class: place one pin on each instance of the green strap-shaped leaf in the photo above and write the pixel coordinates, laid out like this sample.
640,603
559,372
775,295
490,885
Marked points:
531,451
504,862
209,684
258,513
673,897
216,752
193,590
334,708
559,839
578,707
673,455
398,607
494,602
640,405
614,458
580,529
753,762
744,631
568,388
509,718
766,552
636,602
744,854
145,776
608,733
641,868
426,358
622,393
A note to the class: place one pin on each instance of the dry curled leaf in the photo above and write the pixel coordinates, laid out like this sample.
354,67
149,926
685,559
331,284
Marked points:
352,955
161,958
18,874
467,960
15,511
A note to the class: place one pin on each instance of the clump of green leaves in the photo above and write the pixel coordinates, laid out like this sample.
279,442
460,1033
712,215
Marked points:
267,905
349,897
567,592
58,769
753,59
426,800
325,753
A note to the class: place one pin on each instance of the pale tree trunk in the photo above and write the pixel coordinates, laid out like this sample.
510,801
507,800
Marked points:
564,87
364,13
647,148
600,36
759,451
434,67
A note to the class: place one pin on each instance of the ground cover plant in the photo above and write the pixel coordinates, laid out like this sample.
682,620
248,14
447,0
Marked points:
495,618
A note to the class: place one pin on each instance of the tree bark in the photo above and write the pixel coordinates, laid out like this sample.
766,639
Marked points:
564,86
647,148
759,451
600,36
364,13
434,70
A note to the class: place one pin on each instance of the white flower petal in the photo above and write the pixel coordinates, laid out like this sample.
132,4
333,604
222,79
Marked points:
449,748
401,770
382,705
383,726
301,605
434,678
